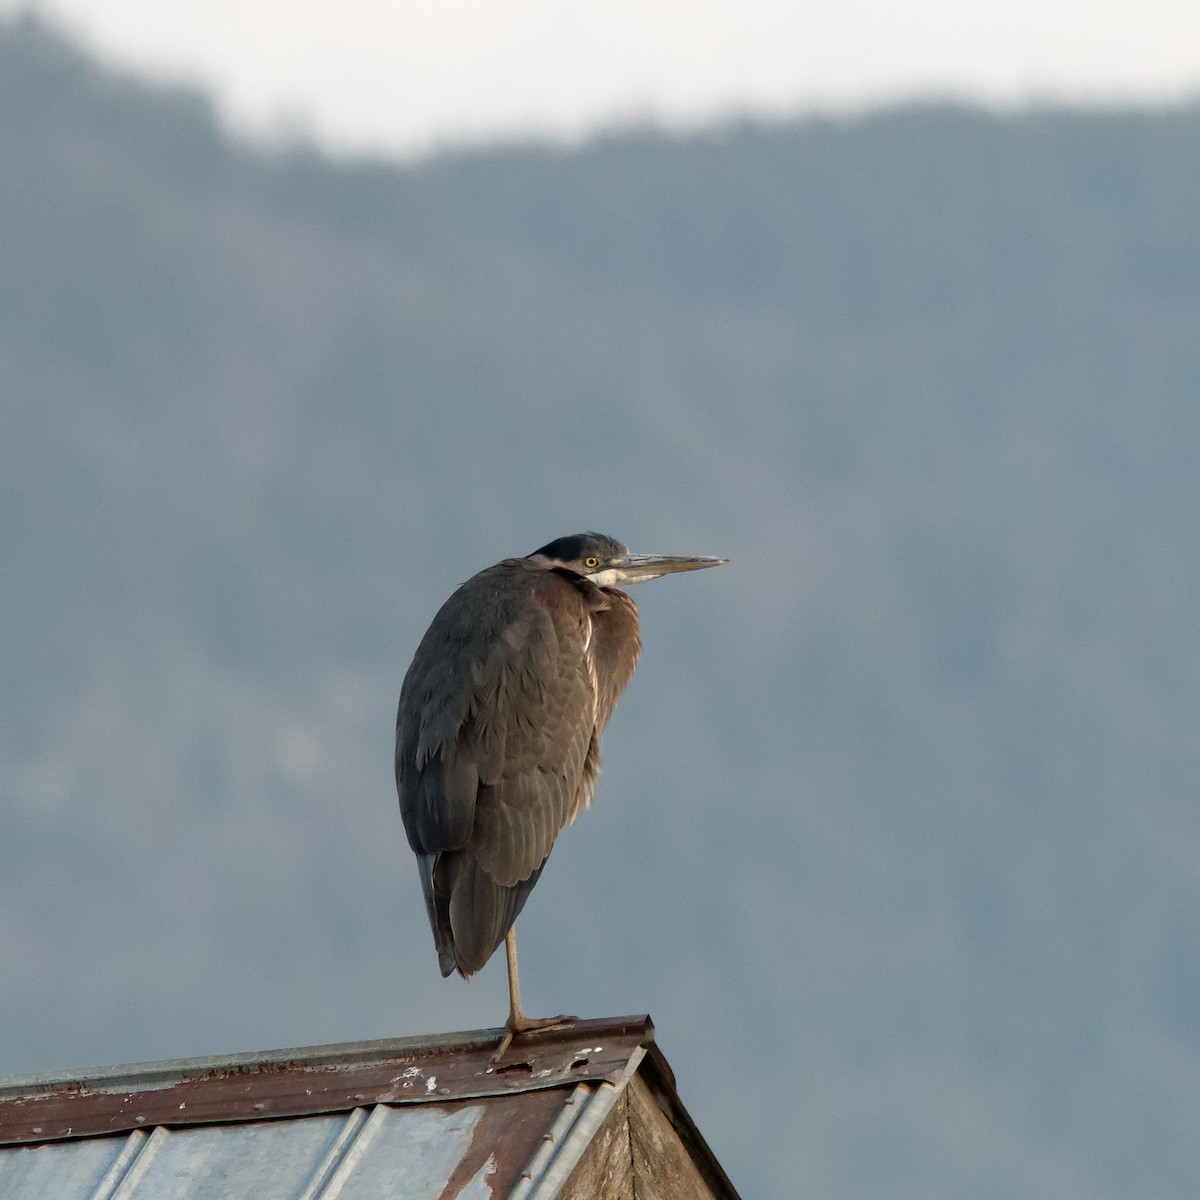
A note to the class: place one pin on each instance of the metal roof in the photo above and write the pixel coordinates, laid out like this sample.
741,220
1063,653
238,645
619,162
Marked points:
403,1118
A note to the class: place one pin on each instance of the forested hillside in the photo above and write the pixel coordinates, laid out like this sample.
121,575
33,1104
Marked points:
898,838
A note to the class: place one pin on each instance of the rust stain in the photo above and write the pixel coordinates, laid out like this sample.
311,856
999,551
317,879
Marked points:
508,1132
550,1060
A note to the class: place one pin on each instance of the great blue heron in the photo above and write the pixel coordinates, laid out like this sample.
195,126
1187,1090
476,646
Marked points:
498,733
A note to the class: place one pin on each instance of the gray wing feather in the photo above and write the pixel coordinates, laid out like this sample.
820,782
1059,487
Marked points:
496,717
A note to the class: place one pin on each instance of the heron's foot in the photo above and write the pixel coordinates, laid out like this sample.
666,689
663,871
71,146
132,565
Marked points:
523,1024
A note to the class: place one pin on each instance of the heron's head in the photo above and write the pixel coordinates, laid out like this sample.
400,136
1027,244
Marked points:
607,563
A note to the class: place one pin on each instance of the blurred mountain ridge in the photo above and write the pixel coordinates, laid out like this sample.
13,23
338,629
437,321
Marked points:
898,836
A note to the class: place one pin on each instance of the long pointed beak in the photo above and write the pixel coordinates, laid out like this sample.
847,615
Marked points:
640,568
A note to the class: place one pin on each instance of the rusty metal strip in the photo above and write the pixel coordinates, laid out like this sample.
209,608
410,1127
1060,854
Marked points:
319,1080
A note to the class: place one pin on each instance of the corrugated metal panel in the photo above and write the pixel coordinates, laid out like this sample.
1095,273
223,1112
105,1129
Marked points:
412,1119
28,1174
403,1153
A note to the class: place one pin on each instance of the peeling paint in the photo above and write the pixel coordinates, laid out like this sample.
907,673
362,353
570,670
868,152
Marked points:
479,1188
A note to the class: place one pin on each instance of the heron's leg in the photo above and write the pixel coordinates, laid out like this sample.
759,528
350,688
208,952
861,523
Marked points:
517,1021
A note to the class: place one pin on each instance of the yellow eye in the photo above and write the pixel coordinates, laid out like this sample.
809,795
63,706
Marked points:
591,562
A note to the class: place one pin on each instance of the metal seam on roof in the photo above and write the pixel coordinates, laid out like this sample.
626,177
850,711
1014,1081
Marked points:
357,1147
141,1164
551,1140
580,1135
112,1178
333,1157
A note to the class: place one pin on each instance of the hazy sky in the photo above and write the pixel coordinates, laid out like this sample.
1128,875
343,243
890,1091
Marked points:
401,75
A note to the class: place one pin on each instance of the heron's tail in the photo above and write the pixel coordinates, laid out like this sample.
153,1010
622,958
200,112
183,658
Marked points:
469,912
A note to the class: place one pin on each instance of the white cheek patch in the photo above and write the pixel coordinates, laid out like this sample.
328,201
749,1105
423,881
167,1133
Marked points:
607,578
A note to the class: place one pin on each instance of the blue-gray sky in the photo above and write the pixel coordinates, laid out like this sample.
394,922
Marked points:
381,75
